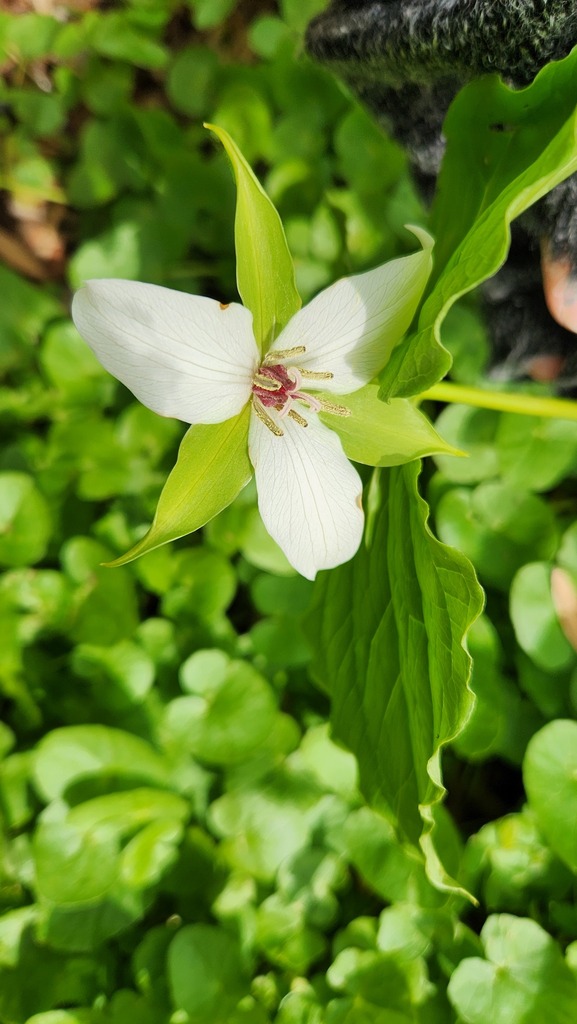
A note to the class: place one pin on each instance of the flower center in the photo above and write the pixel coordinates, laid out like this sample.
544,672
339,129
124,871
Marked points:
274,387
278,387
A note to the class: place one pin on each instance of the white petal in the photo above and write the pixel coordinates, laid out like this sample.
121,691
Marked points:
351,328
309,494
181,355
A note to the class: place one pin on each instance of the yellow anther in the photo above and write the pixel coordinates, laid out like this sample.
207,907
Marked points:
265,418
267,383
336,410
276,357
315,375
296,416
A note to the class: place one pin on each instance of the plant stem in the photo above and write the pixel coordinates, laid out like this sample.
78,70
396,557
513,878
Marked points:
503,401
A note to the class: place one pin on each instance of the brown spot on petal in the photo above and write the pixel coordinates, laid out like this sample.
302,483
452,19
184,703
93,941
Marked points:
564,595
224,305
560,287
359,501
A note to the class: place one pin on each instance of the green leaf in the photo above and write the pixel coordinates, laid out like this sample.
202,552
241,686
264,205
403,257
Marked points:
380,979
524,979
535,620
208,13
77,752
282,933
79,1016
125,813
550,777
510,862
74,865
31,36
192,80
12,926
212,467
25,312
43,979
148,855
224,723
265,272
502,721
123,673
474,431
70,365
535,453
267,824
25,522
105,602
388,628
511,147
498,527
384,434
115,38
206,974
392,869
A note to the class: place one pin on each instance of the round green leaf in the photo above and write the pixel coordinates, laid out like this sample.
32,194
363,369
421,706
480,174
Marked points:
74,865
535,621
204,586
191,80
473,431
204,671
126,812
222,725
24,521
206,974
498,527
550,777
123,673
147,856
535,453
524,979
65,756
62,1017
265,826
70,365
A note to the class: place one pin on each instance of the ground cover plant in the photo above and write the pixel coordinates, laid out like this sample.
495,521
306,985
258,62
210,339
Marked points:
222,784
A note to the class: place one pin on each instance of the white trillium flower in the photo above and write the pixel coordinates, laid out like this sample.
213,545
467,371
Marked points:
195,359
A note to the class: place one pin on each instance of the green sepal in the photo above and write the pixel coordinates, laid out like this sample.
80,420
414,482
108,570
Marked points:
212,468
265,271
384,434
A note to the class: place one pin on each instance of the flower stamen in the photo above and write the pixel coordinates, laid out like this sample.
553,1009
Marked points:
266,419
296,416
277,386
315,375
272,358
267,383
332,407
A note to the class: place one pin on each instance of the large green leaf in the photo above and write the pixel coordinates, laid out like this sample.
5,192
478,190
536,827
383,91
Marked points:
265,272
389,629
212,467
505,150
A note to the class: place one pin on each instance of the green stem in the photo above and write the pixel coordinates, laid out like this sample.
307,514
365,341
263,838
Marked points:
503,401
